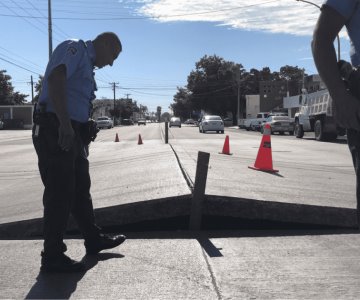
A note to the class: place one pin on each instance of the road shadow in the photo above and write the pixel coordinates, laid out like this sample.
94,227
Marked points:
63,285
337,141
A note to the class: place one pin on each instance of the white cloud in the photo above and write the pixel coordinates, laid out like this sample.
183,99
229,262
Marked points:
281,16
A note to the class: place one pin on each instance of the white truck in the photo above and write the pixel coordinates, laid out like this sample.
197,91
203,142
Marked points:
316,115
254,123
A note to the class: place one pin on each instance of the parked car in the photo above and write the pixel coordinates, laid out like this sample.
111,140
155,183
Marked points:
104,122
175,121
142,122
280,124
228,121
211,123
190,121
127,122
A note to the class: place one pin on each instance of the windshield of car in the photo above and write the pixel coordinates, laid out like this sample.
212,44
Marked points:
175,119
213,118
103,118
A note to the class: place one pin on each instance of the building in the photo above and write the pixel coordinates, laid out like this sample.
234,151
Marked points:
272,94
17,116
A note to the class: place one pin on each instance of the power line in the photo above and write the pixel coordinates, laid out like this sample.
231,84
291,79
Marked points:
144,18
58,29
21,67
25,18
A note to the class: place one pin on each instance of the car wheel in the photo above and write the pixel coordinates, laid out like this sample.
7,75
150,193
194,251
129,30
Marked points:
291,132
281,132
319,132
299,131
222,131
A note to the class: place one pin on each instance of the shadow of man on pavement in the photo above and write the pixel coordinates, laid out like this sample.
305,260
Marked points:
62,285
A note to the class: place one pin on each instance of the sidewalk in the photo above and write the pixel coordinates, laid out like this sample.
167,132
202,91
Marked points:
239,265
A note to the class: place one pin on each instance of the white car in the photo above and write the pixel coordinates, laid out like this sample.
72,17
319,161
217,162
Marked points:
141,122
174,121
280,124
104,122
211,123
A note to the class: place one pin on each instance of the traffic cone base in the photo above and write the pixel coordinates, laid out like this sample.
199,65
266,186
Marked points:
264,170
117,138
264,157
226,147
140,140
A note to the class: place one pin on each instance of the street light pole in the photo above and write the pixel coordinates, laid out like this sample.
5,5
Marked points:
337,37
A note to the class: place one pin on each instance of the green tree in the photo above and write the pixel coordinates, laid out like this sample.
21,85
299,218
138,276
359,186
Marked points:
182,105
213,85
38,86
7,94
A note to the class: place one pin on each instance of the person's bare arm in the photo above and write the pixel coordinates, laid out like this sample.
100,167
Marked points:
328,26
57,94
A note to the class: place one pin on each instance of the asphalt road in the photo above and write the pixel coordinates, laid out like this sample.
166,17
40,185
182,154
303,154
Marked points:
311,172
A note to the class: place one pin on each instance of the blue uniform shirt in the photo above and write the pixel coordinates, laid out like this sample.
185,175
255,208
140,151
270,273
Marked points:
350,9
79,58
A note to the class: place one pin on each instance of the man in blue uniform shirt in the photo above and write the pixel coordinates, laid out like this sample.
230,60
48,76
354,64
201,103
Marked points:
61,138
335,14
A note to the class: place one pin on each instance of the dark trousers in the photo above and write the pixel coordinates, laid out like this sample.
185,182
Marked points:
66,178
353,138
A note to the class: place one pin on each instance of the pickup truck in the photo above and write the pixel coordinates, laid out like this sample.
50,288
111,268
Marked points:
255,123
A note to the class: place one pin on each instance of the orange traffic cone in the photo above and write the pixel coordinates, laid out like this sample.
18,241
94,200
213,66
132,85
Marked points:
116,138
140,140
264,157
226,147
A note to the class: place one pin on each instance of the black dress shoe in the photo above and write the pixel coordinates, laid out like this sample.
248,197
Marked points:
102,242
60,264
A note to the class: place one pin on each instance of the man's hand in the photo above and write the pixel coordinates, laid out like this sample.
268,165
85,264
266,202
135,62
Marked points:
66,136
347,111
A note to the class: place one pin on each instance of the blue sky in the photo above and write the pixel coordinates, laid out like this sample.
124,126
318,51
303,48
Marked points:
162,39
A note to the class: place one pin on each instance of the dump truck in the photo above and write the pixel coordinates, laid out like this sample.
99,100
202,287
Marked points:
316,115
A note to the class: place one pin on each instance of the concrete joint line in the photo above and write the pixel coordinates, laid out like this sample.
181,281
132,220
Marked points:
212,275
187,178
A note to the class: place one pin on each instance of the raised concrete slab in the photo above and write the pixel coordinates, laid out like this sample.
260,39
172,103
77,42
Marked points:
312,186
238,265
130,183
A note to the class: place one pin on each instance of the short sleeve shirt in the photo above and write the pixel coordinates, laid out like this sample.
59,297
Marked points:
78,57
350,9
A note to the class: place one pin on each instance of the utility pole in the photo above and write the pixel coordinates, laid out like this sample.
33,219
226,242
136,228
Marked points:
50,28
114,86
238,97
32,90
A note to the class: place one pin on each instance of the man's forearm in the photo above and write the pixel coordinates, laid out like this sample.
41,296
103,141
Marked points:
57,94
